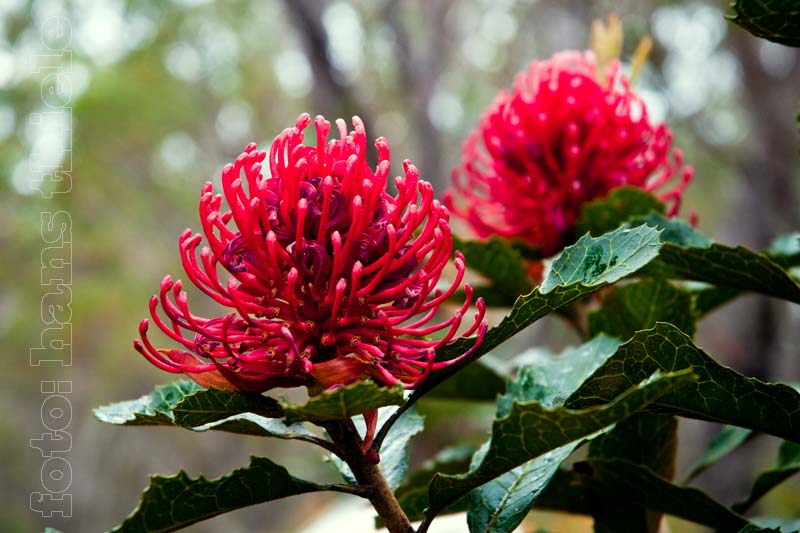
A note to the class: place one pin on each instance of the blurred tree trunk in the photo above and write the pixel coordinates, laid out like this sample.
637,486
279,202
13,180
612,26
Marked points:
420,73
763,333
768,205
332,96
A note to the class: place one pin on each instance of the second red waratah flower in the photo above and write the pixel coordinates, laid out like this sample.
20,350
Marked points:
332,279
565,134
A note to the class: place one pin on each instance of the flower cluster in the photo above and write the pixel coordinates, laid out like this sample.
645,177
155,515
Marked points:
564,135
332,279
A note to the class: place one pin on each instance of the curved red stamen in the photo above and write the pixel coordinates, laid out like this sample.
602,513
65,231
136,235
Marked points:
330,277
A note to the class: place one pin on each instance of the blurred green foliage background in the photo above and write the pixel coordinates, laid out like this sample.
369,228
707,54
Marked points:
163,94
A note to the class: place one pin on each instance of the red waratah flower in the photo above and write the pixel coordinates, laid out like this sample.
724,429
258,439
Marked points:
563,136
332,279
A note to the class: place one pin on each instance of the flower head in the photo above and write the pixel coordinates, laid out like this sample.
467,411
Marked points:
331,278
564,135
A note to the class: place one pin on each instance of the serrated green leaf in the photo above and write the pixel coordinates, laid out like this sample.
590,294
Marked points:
188,405
253,424
413,493
785,250
171,503
777,524
210,405
531,430
551,379
344,402
632,483
501,504
548,379
564,494
720,394
675,231
774,20
726,441
636,306
151,409
481,381
786,465
601,260
605,214
687,254
583,268
709,298
645,439
498,261
394,448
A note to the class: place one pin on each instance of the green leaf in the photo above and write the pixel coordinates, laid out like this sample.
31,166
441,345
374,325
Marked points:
188,405
726,441
708,298
645,439
481,381
151,409
720,394
785,250
782,525
171,503
501,504
551,379
786,465
687,254
636,306
583,268
602,260
499,261
548,380
605,214
675,231
344,402
252,424
211,405
564,494
631,483
413,493
394,448
774,20
531,430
